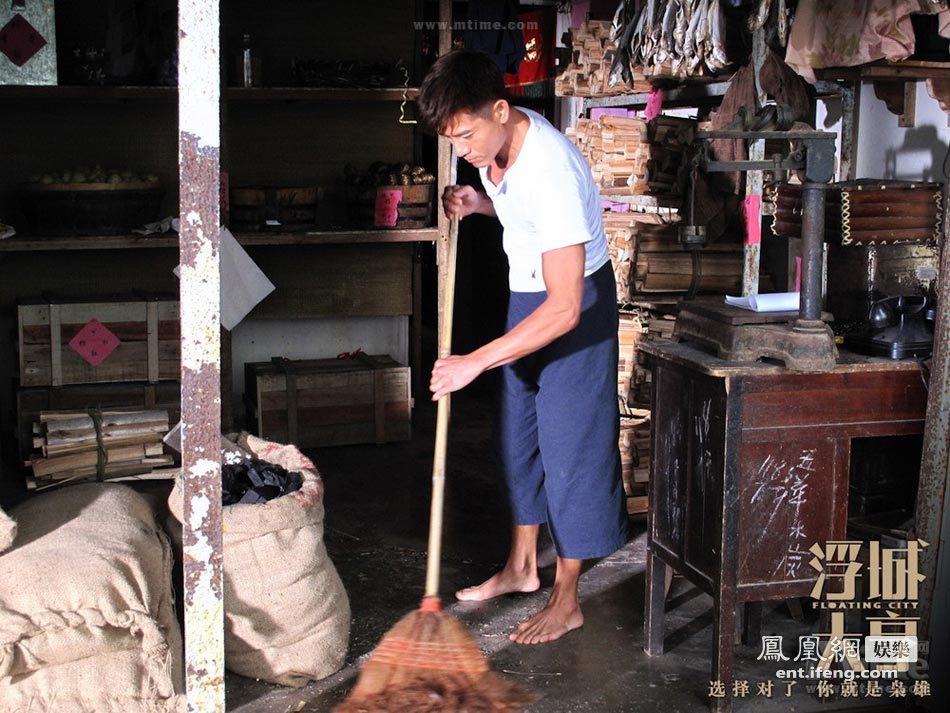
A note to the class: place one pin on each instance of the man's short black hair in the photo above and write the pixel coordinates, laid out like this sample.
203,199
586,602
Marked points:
461,81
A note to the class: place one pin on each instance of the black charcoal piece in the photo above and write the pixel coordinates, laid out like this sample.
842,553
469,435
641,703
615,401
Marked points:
255,481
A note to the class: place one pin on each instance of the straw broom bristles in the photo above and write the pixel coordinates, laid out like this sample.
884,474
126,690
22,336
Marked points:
430,663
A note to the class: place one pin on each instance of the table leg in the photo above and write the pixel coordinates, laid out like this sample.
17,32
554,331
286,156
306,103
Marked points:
654,605
752,623
795,609
724,634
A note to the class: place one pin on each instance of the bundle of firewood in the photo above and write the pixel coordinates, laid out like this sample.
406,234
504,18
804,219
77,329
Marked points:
619,229
629,334
622,229
663,265
638,322
635,458
72,445
634,420
588,74
629,156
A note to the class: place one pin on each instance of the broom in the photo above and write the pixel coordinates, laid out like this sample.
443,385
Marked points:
429,662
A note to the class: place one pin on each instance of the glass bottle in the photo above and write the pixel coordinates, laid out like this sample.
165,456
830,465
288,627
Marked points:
248,64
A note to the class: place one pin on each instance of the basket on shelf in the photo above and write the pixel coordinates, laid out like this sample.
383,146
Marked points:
414,209
90,208
280,208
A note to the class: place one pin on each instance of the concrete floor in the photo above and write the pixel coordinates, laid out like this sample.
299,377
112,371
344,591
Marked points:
377,501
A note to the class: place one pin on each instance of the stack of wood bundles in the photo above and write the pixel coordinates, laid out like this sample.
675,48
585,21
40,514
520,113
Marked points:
75,445
660,326
116,396
635,458
630,156
589,72
663,265
634,421
630,333
617,150
620,230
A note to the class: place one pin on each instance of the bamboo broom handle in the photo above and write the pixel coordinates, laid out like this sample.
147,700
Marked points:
434,555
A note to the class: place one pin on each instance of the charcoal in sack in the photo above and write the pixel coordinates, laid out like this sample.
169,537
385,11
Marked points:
287,615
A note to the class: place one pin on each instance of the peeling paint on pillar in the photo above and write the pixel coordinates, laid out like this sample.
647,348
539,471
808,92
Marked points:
199,171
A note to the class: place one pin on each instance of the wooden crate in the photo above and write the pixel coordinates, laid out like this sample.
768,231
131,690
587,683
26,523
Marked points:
414,209
274,208
148,334
30,402
330,402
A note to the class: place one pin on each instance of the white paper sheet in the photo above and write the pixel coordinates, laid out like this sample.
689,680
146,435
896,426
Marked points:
243,283
773,302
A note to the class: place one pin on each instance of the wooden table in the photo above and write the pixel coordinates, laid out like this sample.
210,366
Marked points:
750,469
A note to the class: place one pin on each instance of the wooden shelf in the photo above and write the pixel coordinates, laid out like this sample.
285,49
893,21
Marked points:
907,69
32,243
88,93
328,94
685,95
255,94
646,200
335,237
895,83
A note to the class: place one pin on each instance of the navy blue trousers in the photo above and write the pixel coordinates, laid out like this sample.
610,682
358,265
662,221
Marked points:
558,427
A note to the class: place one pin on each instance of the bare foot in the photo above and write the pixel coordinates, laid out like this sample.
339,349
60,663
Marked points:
505,582
556,619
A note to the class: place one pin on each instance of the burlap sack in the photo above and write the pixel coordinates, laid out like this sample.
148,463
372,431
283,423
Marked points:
87,620
287,616
7,530
65,688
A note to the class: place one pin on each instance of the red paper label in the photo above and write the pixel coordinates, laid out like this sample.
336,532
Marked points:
654,105
94,342
387,207
19,40
751,211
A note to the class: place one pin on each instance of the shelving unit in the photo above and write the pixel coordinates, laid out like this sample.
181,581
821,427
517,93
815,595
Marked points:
87,93
322,94
278,134
25,243
93,93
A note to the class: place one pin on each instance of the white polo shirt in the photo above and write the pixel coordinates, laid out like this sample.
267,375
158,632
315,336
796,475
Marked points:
546,200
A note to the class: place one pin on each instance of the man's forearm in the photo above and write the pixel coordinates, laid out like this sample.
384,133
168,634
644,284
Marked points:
485,206
548,322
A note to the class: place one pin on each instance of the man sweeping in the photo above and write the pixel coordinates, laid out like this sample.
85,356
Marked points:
558,426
